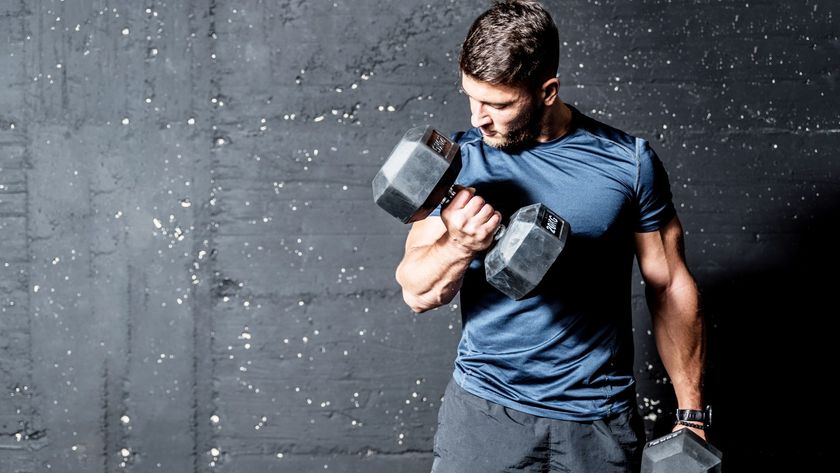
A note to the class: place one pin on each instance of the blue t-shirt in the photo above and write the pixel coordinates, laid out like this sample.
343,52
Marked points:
565,351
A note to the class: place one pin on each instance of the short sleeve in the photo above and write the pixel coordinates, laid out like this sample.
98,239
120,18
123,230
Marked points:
653,190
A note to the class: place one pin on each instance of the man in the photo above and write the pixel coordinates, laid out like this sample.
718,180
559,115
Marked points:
546,383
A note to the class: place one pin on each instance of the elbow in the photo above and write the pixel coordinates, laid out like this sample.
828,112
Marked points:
418,302
422,296
410,299
676,283
415,303
399,275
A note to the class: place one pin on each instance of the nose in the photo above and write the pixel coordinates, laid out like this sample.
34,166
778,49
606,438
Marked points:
478,114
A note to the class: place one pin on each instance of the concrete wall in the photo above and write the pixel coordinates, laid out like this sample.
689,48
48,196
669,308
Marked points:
193,276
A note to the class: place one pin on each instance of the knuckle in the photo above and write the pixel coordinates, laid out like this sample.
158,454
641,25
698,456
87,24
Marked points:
459,221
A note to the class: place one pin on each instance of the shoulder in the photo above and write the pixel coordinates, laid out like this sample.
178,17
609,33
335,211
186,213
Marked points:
607,137
469,138
471,144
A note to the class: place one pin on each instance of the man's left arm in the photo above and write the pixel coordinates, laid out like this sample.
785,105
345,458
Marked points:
673,301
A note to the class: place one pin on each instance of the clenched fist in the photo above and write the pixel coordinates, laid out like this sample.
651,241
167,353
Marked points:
470,222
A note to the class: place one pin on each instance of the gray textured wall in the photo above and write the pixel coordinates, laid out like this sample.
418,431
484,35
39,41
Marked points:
193,276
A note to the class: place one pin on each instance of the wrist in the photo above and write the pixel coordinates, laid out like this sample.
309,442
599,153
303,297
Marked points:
455,249
695,417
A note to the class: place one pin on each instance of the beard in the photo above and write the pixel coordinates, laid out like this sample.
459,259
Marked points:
524,130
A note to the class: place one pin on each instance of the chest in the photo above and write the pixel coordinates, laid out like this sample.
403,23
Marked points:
593,193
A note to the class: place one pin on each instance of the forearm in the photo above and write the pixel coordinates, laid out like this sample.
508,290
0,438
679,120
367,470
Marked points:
680,338
431,275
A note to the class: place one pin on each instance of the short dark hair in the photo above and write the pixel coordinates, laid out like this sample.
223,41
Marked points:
514,43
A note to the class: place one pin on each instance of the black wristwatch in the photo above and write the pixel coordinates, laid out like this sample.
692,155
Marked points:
694,415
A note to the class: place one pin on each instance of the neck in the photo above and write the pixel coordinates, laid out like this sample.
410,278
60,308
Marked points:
556,122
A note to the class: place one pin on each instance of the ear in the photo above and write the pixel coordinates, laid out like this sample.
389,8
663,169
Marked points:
550,90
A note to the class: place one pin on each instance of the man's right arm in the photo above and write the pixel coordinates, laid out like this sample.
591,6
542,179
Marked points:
438,250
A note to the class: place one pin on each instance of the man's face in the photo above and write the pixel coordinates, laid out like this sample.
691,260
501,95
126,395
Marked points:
509,117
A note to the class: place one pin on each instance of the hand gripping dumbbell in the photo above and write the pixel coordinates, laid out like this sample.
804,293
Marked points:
420,174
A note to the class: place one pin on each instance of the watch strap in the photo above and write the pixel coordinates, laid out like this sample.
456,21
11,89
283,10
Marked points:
696,415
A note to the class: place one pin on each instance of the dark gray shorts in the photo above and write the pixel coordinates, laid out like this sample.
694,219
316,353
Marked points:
476,435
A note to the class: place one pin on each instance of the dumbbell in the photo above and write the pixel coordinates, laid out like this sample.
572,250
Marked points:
420,174
682,451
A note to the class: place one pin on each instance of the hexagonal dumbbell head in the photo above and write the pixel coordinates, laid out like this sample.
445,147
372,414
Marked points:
526,250
682,451
417,175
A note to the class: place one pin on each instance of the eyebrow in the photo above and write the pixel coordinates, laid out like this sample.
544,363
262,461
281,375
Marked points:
492,104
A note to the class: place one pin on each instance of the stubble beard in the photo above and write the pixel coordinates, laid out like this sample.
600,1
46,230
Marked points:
524,130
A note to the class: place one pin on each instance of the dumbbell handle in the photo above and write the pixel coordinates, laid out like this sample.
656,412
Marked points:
450,194
447,198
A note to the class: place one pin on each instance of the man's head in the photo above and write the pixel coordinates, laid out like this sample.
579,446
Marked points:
508,66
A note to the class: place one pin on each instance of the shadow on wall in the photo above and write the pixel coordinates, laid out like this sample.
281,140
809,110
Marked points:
772,349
